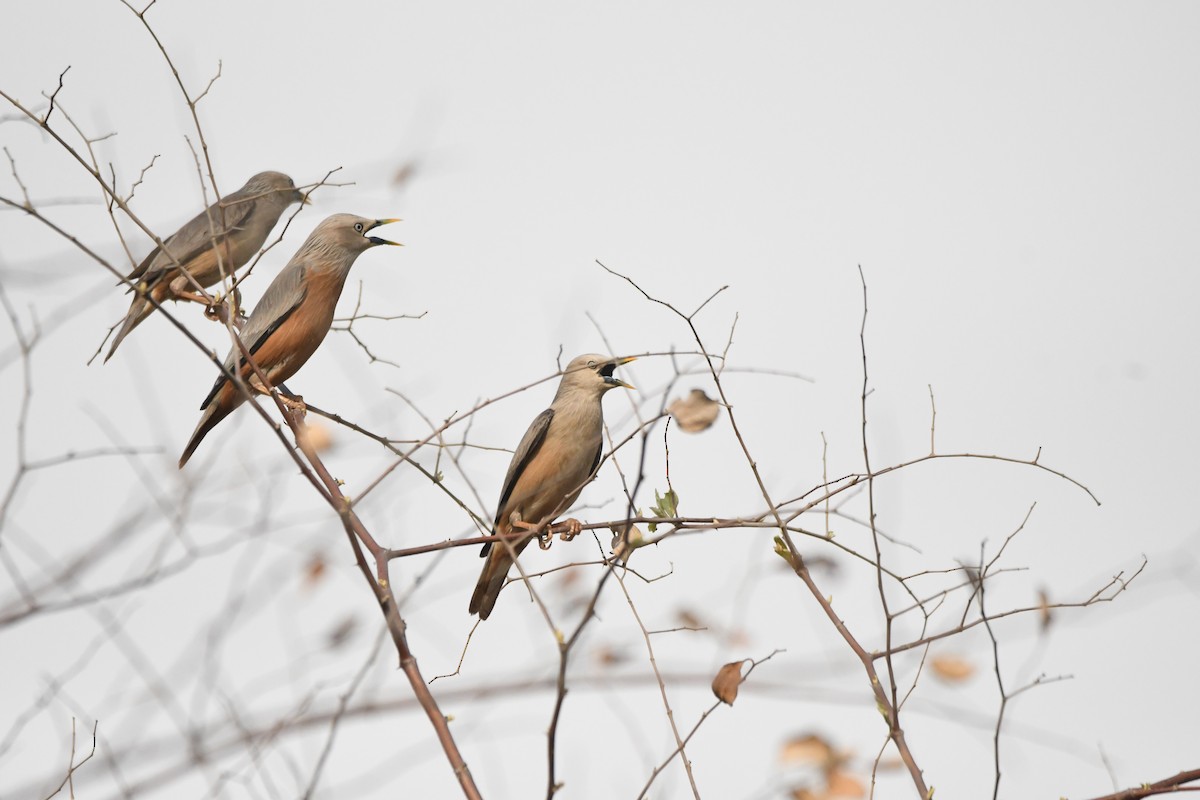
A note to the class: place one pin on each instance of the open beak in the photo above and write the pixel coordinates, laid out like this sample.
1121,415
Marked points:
610,379
375,240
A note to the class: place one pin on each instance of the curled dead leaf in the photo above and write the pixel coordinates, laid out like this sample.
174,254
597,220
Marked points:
622,546
952,668
696,412
729,678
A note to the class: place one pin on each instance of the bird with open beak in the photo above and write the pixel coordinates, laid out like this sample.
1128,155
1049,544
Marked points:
292,318
212,245
557,456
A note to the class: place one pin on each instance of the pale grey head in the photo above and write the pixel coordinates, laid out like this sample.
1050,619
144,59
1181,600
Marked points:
275,186
592,373
342,237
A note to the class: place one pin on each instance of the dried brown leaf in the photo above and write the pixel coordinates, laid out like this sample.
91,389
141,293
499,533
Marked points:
843,785
737,638
608,657
317,435
689,619
696,412
729,678
807,748
951,668
314,570
622,546
1044,612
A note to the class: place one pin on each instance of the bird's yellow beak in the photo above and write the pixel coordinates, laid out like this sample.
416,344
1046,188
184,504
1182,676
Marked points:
375,240
614,381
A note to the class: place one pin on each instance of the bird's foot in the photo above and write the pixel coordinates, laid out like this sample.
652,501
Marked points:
219,308
574,528
181,288
544,533
567,530
294,403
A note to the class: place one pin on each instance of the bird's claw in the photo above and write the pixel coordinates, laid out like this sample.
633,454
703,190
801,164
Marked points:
294,403
574,528
221,307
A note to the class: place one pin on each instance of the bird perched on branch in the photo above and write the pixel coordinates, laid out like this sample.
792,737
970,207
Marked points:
293,316
212,245
556,457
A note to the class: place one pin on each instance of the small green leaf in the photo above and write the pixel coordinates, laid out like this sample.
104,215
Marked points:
781,550
666,505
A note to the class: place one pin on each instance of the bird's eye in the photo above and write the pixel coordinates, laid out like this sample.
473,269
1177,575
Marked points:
591,365
358,227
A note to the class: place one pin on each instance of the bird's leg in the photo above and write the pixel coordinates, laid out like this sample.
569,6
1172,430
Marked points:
181,289
194,297
239,316
293,402
218,309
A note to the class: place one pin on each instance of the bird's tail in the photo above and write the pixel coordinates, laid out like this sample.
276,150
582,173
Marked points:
218,409
491,580
139,309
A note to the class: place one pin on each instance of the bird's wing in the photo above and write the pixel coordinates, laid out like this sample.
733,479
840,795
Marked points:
531,442
596,459
285,294
196,236
282,297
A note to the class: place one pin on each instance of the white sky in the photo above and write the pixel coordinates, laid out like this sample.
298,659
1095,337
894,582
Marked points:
1020,184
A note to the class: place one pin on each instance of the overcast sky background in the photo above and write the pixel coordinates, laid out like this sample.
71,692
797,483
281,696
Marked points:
1020,185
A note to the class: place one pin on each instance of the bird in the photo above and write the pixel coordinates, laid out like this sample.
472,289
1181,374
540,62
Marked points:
556,457
291,320
212,245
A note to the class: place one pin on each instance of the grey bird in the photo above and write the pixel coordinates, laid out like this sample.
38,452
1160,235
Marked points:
556,457
293,316
215,243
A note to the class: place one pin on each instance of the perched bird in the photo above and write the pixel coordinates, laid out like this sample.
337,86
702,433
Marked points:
556,457
293,316
234,228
